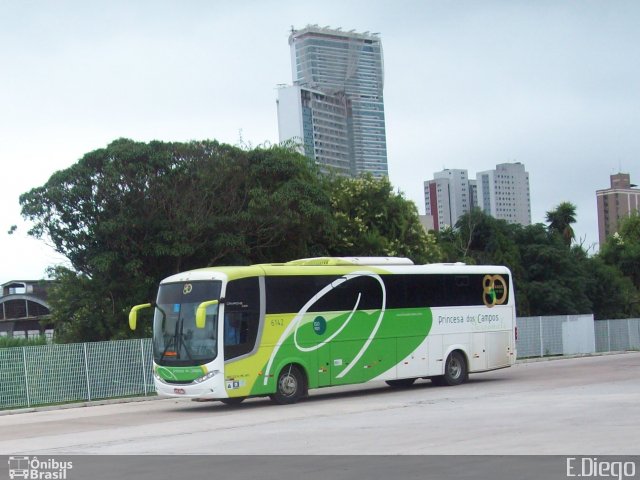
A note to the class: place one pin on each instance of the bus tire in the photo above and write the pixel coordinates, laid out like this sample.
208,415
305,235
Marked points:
290,386
232,400
455,370
401,382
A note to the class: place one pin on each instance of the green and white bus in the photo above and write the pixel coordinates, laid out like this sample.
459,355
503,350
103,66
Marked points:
278,330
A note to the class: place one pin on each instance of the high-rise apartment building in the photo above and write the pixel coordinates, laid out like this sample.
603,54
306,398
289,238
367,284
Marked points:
320,122
615,204
447,197
335,106
504,193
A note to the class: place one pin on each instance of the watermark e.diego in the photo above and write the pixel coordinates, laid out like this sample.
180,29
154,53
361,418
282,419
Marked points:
592,467
33,468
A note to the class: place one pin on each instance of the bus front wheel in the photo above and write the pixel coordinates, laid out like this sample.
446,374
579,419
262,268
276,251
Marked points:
455,371
290,386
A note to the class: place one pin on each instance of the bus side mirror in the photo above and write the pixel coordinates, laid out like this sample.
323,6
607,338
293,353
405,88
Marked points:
133,315
201,313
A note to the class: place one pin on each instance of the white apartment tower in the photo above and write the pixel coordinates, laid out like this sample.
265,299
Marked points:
504,193
335,106
448,196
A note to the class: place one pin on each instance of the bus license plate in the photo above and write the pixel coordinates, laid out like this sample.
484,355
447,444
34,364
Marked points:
179,391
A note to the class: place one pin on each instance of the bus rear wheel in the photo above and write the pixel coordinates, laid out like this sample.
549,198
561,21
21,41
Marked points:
290,386
455,371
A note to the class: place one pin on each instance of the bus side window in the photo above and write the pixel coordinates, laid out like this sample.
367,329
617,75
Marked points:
242,317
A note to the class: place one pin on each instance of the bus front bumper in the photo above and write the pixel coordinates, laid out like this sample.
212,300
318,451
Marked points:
212,388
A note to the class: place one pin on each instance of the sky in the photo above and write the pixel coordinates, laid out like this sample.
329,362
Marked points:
468,84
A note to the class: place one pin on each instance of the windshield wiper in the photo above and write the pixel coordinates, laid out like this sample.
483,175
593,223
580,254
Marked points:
173,340
178,341
181,340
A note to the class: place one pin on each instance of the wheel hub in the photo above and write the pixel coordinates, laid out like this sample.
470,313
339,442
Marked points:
288,385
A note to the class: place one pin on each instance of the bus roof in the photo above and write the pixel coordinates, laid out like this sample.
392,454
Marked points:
377,261
333,266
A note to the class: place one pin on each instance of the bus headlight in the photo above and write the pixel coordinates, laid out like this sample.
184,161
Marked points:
209,375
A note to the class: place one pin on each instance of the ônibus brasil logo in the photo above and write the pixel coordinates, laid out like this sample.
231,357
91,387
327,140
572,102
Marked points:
35,469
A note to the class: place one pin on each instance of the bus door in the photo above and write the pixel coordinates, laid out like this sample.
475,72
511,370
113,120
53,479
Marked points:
241,327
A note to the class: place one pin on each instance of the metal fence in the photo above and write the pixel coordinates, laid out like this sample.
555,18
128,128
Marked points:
617,335
575,334
52,374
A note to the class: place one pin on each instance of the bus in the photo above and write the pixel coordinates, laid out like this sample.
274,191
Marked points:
279,330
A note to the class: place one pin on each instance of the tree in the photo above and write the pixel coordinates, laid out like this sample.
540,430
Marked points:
288,207
612,294
622,249
550,276
621,254
132,213
554,277
373,220
488,240
560,221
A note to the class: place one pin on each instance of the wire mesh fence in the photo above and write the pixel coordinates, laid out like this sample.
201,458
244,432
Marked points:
555,335
13,390
617,335
52,374
575,334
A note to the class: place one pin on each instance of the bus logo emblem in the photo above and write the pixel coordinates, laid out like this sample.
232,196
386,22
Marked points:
187,289
494,290
319,325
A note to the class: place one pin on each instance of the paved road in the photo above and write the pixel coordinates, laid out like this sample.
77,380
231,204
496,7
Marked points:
565,407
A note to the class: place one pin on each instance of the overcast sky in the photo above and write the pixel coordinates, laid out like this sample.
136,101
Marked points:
468,84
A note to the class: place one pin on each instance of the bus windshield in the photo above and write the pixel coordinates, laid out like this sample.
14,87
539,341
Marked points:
176,340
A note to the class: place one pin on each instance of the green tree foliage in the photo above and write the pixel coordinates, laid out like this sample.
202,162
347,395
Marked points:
554,279
622,249
373,220
550,276
130,214
560,221
621,254
488,240
612,294
90,309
